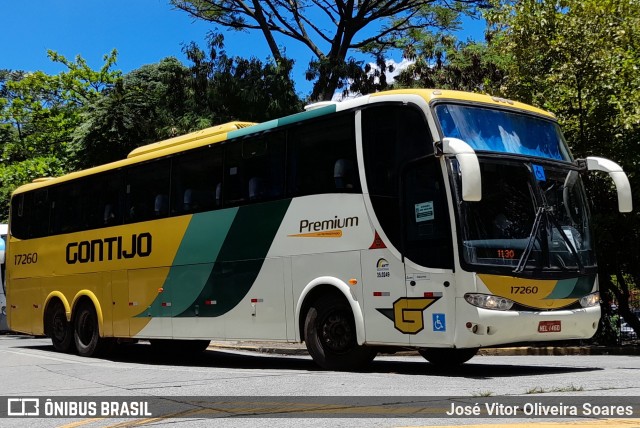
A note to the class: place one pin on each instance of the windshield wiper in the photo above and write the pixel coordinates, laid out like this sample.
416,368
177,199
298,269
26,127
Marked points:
524,258
567,241
543,211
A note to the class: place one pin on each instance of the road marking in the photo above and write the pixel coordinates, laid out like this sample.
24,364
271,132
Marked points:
80,423
613,423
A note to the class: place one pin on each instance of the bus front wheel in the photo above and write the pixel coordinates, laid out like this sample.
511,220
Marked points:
330,336
86,331
448,357
58,328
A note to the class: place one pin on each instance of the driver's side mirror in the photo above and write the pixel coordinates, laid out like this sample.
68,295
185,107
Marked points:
469,167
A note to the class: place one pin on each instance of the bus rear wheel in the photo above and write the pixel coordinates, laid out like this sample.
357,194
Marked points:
448,357
86,332
330,336
58,328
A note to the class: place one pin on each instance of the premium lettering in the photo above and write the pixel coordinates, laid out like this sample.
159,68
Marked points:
335,223
113,248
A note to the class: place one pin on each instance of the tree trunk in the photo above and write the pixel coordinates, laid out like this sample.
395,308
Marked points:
623,303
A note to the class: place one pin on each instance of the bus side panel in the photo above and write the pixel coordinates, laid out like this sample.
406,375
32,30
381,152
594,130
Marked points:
384,289
261,313
342,266
72,287
150,304
25,308
120,298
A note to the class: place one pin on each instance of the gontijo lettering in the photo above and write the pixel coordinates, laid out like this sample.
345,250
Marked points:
112,248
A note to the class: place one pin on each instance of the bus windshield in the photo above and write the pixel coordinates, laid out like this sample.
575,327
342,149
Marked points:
531,217
493,130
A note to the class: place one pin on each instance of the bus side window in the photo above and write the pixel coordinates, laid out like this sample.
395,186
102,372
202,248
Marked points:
66,208
319,156
195,178
236,188
20,206
39,221
147,189
343,174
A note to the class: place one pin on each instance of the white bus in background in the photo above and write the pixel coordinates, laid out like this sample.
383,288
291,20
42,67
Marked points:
3,297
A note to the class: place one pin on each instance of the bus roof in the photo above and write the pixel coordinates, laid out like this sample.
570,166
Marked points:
433,95
236,129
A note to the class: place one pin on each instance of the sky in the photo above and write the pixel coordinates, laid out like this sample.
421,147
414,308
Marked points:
143,32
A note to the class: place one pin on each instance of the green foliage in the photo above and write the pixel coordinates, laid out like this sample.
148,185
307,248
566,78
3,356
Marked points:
167,99
13,175
332,33
39,114
140,108
441,61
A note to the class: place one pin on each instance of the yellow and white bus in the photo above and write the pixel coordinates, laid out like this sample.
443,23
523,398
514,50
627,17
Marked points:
435,220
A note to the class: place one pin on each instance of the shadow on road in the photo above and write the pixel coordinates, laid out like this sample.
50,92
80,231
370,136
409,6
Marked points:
477,368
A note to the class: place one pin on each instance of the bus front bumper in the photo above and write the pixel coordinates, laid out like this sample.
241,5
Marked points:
477,327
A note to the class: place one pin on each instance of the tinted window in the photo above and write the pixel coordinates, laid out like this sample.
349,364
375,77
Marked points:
392,136
426,220
197,181
104,199
148,191
66,208
322,157
254,169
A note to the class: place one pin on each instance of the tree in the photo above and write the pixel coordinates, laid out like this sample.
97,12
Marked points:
167,99
441,61
580,59
38,115
329,30
142,107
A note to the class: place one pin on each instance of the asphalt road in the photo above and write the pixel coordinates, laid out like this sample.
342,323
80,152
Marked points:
30,367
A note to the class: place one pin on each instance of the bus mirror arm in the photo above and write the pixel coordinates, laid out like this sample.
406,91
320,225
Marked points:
625,201
469,167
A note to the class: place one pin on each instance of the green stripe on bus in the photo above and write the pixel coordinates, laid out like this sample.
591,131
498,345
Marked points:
316,112
192,265
252,129
219,258
204,237
240,259
572,288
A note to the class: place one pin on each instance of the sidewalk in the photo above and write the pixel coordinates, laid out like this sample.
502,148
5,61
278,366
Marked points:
283,348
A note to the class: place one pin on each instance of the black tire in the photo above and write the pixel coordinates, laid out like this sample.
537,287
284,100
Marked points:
330,336
86,331
448,357
181,347
58,328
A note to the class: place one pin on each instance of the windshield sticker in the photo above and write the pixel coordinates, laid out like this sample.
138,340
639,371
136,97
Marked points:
424,211
539,173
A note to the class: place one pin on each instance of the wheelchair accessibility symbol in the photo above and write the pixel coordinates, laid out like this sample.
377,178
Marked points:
439,322
539,173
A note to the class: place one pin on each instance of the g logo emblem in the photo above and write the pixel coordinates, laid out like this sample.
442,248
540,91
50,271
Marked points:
408,313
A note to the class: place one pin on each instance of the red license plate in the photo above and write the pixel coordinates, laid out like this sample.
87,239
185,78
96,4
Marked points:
549,327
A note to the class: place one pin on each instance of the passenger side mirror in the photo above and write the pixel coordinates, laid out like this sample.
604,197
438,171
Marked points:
625,201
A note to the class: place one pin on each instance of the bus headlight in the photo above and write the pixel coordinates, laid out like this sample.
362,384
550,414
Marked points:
590,300
489,301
